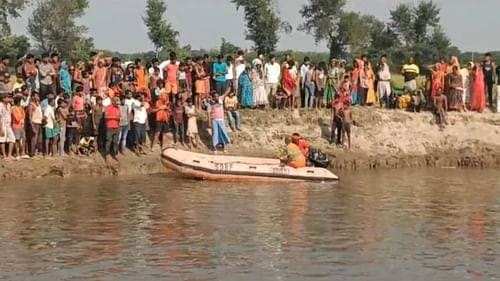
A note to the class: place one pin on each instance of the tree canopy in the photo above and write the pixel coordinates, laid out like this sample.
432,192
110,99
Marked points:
53,28
11,45
262,24
413,29
419,32
324,20
227,47
160,32
9,8
14,46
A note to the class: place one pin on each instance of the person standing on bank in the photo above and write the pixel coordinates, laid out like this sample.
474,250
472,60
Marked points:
489,77
304,69
216,123
272,75
410,72
364,83
384,82
220,70
112,115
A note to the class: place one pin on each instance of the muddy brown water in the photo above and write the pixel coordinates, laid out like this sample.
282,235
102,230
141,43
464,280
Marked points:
385,225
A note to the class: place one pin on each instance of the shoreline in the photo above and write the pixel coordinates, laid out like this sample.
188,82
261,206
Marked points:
382,139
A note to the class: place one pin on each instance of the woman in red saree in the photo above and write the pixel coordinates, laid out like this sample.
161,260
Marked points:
287,81
478,99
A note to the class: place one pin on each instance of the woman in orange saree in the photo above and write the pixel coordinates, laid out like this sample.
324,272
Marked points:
287,81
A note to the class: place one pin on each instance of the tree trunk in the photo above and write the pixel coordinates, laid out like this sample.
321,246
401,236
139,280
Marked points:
335,51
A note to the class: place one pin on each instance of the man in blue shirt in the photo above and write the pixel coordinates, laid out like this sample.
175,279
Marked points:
219,72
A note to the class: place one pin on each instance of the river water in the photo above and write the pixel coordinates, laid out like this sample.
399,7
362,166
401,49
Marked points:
390,225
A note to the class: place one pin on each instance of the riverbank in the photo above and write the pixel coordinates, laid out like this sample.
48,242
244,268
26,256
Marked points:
381,139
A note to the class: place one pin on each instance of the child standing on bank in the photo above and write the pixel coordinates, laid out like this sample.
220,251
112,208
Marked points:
346,123
179,121
192,123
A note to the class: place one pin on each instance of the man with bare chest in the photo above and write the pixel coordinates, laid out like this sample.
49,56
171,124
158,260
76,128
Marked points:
441,107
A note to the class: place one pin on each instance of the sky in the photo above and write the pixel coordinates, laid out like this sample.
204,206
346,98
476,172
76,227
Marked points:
117,24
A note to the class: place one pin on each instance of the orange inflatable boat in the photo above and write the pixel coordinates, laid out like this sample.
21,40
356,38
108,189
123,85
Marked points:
233,168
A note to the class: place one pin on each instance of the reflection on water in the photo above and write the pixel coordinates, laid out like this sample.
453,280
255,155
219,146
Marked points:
404,225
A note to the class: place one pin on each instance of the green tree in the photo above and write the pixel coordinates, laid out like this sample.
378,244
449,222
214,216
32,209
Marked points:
9,8
228,48
439,43
325,20
160,32
53,27
14,46
11,45
262,24
418,31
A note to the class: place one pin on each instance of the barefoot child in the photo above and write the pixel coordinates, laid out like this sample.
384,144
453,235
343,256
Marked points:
440,106
50,127
192,126
179,121
337,116
73,131
162,111
347,122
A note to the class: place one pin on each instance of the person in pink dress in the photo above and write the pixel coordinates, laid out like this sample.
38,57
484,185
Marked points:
478,100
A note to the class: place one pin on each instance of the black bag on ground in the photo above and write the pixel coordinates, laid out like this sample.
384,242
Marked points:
318,158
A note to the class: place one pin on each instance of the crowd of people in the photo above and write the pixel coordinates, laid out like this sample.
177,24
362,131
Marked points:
54,108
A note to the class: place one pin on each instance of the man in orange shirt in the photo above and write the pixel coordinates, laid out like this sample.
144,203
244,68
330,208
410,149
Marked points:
162,110
140,74
294,157
170,74
99,76
112,115
18,117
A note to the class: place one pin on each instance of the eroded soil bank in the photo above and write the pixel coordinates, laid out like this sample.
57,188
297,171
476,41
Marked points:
381,139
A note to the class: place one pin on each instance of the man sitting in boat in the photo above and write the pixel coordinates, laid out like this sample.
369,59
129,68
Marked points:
301,143
294,157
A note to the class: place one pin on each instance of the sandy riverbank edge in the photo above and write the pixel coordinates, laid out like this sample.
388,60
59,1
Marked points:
382,139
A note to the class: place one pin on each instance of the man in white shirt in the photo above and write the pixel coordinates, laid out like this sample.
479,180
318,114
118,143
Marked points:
304,68
231,72
384,81
140,119
272,72
154,63
50,130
